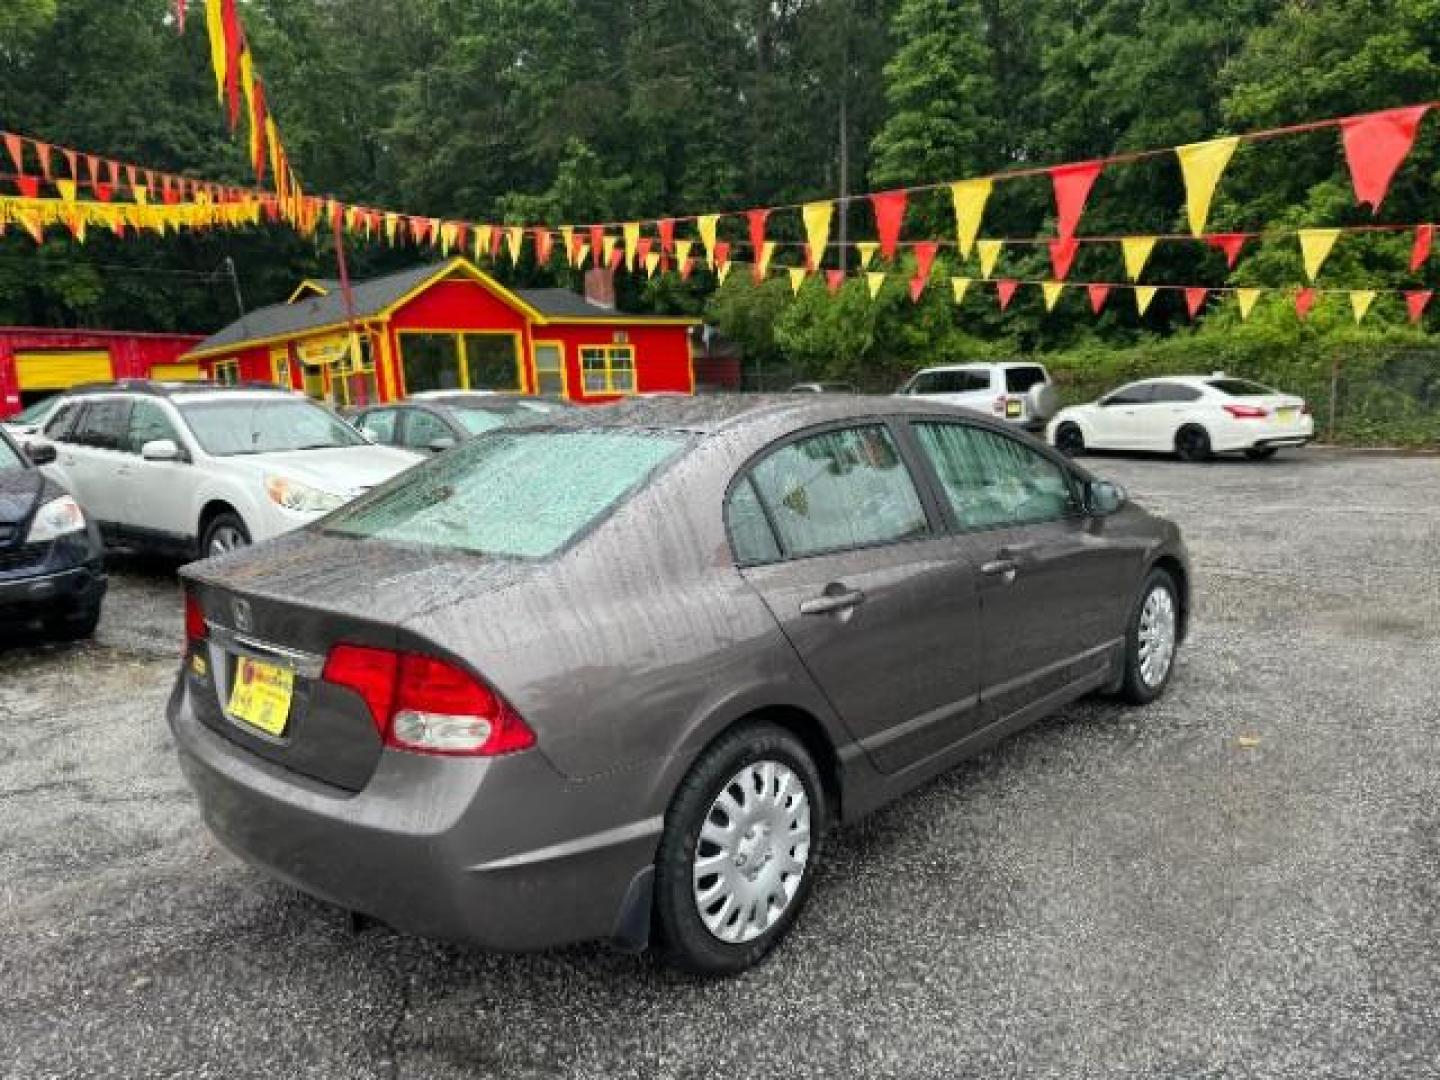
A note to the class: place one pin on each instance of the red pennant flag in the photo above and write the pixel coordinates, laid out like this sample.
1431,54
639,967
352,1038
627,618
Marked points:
1304,302
42,151
497,237
1421,251
92,169
577,245
643,247
597,244
667,235
1098,295
1062,255
16,147
833,280
616,258
73,160
113,168
1230,244
722,253
925,258
234,47
1195,300
1375,147
104,192
1416,302
1005,291
544,244
132,176
687,268
889,207
917,286
756,219
1072,185
29,186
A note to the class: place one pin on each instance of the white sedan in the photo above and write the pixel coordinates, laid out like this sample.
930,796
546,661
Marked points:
1194,416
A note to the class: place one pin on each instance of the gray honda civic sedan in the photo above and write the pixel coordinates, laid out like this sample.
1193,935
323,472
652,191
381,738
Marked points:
619,676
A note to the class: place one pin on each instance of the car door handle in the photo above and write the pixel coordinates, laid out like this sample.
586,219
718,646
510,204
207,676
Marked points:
832,602
1003,568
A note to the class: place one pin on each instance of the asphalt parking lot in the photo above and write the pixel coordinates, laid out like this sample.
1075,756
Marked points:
1240,881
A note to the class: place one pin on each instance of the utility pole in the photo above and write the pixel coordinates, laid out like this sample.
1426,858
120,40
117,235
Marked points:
845,139
234,276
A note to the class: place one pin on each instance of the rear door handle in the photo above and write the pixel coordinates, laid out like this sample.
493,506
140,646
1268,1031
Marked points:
832,602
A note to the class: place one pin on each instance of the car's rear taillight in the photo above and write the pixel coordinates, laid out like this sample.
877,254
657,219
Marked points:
1246,412
195,629
998,406
428,706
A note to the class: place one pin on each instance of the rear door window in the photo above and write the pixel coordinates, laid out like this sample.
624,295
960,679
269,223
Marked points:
1137,394
423,429
992,480
1018,380
839,490
1173,393
964,381
379,424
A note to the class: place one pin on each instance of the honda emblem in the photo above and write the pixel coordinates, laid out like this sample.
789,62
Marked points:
244,620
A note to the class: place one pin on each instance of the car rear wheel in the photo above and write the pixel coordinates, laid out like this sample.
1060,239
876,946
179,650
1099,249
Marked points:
1152,639
1192,443
225,533
1070,440
1260,453
741,845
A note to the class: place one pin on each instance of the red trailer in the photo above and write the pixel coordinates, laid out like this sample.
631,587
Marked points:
36,362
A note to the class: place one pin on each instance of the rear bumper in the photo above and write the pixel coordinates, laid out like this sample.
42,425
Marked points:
504,853
1258,435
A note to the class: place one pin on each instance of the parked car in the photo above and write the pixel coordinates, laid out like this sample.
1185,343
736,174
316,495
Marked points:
628,669
1017,392
204,469
822,388
27,423
51,563
432,422
1193,416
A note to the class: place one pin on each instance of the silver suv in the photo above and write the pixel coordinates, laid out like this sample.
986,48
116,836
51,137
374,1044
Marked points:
1018,392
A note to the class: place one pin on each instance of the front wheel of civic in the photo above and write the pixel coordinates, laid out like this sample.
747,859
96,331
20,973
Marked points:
738,856
1152,639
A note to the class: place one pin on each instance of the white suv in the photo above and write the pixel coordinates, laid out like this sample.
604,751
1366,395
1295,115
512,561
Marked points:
195,469
1019,392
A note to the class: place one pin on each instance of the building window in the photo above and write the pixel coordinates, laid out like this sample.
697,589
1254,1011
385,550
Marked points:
608,369
227,372
353,375
549,368
460,361
492,361
280,366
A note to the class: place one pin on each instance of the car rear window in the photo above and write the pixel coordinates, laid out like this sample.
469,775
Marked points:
520,494
1241,388
1020,379
949,382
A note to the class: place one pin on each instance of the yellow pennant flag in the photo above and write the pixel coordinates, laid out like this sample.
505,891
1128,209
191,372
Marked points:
1360,301
817,229
1201,165
682,251
763,257
392,223
1136,250
1247,299
969,197
1315,246
1143,295
873,280
514,238
484,234
582,252
709,227
1052,291
989,256
723,272
607,248
67,189
652,261
247,86
797,279
448,233
867,251
567,238
141,194
215,29
960,286
432,234
632,240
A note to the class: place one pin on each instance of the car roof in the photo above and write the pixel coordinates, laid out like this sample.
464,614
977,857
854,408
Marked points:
971,366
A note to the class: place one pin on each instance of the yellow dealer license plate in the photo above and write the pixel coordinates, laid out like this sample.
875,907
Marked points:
1013,410
1286,416
261,695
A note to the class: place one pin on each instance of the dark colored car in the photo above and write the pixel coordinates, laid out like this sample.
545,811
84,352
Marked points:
440,419
51,565
624,672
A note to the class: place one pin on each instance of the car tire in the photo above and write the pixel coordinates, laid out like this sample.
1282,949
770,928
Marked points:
225,533
75,626
1070,440
1192,443
1260,453
1154,624
763,775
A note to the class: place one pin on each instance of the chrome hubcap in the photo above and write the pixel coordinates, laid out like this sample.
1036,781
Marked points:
752,852
1157,636
225,539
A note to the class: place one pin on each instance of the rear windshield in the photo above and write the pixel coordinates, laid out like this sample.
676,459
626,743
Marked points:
266,426
524,494
1241,388
477,419
1020,379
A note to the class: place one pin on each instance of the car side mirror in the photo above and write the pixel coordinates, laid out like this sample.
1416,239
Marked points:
440,445
162,450
41,453
1102,498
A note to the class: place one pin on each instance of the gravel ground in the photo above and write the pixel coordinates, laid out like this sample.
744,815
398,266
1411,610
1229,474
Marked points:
1240,881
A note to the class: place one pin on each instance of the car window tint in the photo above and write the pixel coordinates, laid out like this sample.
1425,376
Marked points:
148,423
520,493
950,382
1173,393
750,532
1240,388
423,429
1020,379
379,424
1138,394
992,480
841,489
61,427
104,424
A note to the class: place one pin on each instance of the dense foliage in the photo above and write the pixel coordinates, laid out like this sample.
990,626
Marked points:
530,110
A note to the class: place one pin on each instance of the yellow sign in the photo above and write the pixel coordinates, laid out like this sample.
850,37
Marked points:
261,696
321,352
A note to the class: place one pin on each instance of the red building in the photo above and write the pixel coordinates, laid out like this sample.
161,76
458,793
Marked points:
36,362
451,326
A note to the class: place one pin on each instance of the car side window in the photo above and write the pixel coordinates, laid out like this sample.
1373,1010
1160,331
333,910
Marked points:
1173,393
841,489
950,382
992,480
422,429
1130,395
750,532
104,424
62,425
380,425
148,423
